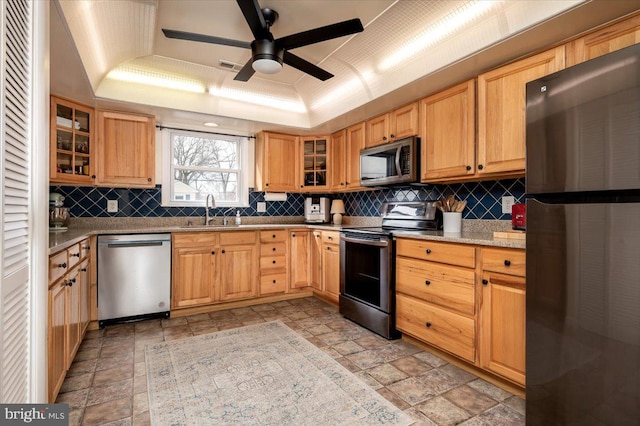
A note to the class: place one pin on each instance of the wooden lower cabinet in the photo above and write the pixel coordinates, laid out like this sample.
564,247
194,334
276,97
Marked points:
316,260
68,312
503,317
238,270
331,270
300,259
466,300
325,264
194,276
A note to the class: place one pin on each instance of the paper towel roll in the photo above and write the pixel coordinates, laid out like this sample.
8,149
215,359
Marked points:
275,196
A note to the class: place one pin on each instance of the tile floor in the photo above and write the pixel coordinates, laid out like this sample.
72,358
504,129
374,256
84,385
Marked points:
107,380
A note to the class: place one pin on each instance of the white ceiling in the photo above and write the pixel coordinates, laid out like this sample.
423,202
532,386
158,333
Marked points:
90,38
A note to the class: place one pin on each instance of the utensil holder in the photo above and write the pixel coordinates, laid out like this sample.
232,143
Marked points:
452,222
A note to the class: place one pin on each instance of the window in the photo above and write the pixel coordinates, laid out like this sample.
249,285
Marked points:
197,164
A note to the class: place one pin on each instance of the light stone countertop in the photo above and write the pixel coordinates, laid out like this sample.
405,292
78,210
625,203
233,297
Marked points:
474,231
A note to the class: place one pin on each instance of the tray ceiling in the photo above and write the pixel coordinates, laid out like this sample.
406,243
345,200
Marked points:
403,41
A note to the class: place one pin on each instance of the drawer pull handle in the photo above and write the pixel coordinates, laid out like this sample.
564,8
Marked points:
427,282
507,262
427,324
62,265
485,282
428,251
75,254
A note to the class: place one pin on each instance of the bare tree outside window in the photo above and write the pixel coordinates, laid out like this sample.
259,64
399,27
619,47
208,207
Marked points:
205,165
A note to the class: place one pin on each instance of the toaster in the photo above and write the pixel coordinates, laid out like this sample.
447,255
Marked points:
518,216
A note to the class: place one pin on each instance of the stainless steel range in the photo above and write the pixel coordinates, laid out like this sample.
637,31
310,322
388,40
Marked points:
367,264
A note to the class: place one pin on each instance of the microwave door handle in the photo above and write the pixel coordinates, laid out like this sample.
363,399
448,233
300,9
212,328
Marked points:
398,168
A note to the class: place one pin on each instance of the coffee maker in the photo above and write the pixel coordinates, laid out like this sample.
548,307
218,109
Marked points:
317,210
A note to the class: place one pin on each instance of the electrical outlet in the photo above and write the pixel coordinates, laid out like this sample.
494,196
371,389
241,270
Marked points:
507,202
112,206
262,207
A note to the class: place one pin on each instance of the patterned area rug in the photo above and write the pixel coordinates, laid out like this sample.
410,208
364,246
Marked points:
263,374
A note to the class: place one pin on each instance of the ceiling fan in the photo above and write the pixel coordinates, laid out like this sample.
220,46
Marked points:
267,53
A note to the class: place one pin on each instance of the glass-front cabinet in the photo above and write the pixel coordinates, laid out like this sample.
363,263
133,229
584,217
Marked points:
72,142
315,157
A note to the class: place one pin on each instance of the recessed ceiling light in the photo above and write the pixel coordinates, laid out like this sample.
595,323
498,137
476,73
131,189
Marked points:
211,124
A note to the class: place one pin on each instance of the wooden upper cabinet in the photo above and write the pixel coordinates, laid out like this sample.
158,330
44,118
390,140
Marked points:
606,40
397,124
338,161
126,150
315,154
276,168
377,130
72,139
501,112
355,142
447,126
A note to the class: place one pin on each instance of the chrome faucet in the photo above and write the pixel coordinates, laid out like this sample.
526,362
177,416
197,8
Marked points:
208,219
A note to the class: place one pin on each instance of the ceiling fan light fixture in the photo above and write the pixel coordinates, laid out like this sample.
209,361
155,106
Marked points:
267,66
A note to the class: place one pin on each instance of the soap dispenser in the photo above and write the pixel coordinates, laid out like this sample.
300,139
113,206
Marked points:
238,219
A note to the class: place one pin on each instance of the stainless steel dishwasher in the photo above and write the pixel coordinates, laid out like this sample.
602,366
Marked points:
134,277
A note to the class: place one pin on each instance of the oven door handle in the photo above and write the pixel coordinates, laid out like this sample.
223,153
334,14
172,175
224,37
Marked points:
367,242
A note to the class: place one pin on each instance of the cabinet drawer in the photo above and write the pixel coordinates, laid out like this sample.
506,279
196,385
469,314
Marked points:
449,331
444,285
74,254
58,266
229,238
195,239
505,261
273,263
329,237
453,254
273,249
275,235
273,283
84,248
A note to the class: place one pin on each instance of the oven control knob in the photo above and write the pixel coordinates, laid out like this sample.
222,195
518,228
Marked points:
427,324
427,282
428,251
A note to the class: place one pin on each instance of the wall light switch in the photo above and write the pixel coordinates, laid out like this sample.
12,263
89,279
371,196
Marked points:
112,206
507,202
262,207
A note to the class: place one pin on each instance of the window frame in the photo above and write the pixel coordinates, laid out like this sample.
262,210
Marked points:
168,170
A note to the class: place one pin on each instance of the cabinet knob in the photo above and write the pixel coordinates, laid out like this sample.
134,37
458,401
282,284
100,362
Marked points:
148,179
293,235
328,248
384,138
93,176
71,282
392,136
507,262
83,270
274,281
75,254
222,251
273,249
346,183
330,238
427,324
273,261
213,252
427,282
428,251
62,265
301,186
480,167
266,184
468,168
485,282
273,236
86,248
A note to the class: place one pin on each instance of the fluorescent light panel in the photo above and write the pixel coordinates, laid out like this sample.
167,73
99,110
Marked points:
258,99
156,79
435,33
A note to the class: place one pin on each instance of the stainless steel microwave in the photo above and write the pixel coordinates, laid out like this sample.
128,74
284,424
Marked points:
391,164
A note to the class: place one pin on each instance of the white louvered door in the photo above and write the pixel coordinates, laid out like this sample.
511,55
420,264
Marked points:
15,179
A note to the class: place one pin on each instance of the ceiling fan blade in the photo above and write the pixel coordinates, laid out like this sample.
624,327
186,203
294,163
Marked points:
306,66
317,35
252,13
246,72
182,35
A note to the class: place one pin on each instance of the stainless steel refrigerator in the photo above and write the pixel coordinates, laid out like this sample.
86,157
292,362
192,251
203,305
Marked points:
583,243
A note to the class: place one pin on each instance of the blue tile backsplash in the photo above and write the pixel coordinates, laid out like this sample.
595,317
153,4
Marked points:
483,200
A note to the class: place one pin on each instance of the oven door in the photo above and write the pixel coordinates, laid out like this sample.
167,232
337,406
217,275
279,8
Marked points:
367,269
